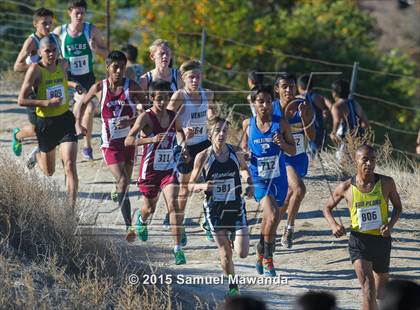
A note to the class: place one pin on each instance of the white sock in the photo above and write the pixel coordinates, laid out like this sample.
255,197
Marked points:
177,248
290,227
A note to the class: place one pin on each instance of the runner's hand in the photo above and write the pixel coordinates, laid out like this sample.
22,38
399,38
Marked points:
80,90
278,139
339,231
306,111
80,130
385,230
186,154
54,102
93,45
123,123
159,138
189,133
249,191
209,186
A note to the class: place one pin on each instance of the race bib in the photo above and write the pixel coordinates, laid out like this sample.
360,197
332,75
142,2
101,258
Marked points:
268,167
117,133
299,142
224,190
369,218
163,160
79,65
199,132
56,91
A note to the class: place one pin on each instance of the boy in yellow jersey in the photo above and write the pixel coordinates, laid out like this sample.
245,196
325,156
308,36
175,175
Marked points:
367,195
55,123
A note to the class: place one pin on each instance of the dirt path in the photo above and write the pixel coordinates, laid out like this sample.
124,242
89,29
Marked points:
317,260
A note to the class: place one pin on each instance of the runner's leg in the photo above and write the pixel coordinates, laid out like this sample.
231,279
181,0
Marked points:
68,152
366,279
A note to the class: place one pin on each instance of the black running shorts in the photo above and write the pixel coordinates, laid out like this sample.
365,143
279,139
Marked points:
219,216
52,131
376,249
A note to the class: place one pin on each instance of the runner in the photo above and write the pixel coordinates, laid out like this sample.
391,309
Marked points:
348,117
78,42
134,70
299,114
367,195
55,123
158,128
269,136
161,55
254,79
320,105
42,21
223,206
194,106
117,95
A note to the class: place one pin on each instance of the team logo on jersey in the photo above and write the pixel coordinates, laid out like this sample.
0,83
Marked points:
116,106
265,147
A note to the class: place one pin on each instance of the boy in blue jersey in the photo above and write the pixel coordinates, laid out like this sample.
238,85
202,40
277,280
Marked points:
301,118
269,136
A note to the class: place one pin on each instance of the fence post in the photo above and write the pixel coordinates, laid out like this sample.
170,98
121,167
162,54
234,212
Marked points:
108,30
353,79
203,50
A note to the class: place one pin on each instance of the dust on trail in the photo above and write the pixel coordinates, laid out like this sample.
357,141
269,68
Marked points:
317,260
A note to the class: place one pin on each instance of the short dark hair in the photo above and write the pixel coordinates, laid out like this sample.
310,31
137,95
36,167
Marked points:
159,85
41,12
287,76
305,82
244,303
130,51
76,4
255,77
261,89
401,295
115,56
341,88
316,301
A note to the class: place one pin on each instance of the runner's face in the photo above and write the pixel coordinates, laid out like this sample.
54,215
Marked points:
43,25
162,56
48,53
286,90
160,100
77,15
192,80
219,133
116,71
365,161
263,104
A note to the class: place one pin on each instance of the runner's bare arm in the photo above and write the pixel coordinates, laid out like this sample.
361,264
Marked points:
198,167
321,103
389,186
246,175
336,118
142,122
97,42
80,107
176,101
57,31
244,141
179,81
28,49
308,118
32,78
364,122
285,139
144,93
180,135
212,108
338,194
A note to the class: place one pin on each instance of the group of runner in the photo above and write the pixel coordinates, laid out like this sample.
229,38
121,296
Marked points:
167,116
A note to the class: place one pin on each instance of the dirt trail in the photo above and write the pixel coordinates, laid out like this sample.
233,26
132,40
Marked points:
317,260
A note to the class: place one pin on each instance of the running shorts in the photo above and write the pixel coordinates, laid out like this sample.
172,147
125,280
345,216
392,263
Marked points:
52,131
376,249
276,189
151,186
113,156
299,163
221,216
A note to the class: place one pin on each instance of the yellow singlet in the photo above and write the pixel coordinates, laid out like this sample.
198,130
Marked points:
53,84
369,211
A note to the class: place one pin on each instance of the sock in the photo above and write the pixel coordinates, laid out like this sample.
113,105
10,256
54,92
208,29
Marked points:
177,248
124,203
232,285
290,227
260,245
268,250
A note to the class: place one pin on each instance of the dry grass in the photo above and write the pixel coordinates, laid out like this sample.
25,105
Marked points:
44,264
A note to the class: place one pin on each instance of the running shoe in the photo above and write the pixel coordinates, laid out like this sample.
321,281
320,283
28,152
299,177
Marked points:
32,158
87,153
269,269
205,227
131,234
183,237
165,223
114,195
142,231
179,257
16,144
287,238
233,292
209,236
259,264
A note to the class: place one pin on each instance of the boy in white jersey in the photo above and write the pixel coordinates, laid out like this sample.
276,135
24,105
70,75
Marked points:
193,106
79,40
